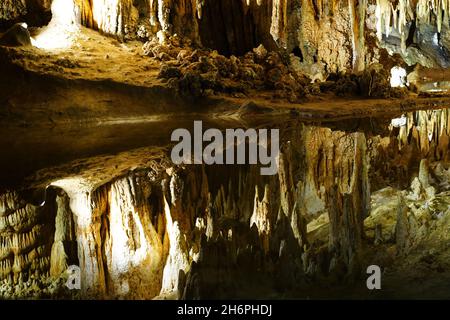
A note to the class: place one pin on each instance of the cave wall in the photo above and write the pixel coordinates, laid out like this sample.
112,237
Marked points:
328,32
335,35
332,35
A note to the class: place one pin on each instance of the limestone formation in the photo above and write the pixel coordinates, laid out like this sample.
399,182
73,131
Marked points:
341,36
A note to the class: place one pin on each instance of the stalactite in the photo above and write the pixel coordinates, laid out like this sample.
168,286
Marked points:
429,131
405,11
279,20
133,250
178,255
357,18
199,5
153,12
322,29
120,249
88,208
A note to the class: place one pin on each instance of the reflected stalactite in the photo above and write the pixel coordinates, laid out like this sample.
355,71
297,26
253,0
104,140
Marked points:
185,231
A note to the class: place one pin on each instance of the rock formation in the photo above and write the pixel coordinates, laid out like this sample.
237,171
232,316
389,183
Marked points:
330,35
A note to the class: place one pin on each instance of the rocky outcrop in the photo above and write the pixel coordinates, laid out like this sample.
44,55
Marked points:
337,178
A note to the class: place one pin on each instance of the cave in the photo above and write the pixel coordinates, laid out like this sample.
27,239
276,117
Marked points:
224,149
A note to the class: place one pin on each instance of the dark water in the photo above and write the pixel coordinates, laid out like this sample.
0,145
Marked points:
27,150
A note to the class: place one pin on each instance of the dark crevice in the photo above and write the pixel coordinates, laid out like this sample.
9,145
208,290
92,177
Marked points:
225,27
298,53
